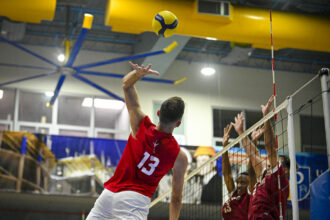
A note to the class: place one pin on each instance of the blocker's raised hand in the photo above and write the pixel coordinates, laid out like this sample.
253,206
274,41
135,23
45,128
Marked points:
266,108
226,132
256,134
142,71
239,123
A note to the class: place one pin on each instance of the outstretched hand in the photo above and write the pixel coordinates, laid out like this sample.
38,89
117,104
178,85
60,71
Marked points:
226,132
141,71
266,108
256,134
239,123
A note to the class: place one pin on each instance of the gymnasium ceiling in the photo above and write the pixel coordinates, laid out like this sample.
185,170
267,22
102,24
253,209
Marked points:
53,33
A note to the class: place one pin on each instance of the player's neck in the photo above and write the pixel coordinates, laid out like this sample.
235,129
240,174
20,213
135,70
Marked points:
166,129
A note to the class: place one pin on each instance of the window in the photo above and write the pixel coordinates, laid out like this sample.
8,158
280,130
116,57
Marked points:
30,129
4,127
32,107
214,7
71,111
221,118
72,132
107,135
106,118
7,104
252,117
33,129
312,134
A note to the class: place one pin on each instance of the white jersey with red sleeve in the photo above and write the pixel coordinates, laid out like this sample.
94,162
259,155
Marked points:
145,160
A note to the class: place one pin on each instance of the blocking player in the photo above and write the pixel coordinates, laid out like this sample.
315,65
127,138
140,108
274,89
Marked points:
237,206
265,201
151,151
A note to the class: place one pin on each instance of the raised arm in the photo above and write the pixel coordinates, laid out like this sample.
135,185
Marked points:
251,150
256,134
131,97
252,176
226,167
270,141
179,171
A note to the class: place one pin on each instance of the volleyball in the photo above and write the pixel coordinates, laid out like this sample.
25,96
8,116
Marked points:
165,23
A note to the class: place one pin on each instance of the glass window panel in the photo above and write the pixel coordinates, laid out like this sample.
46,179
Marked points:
221,118
68,132
4,127
105,135
30,129
106,118
313,134
252,117
71,111
32,107
7,104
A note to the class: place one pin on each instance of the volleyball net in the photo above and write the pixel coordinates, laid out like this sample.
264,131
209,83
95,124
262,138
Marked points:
298,125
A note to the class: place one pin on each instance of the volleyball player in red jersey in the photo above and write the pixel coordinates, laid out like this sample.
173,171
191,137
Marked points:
265,200
237,206
151,151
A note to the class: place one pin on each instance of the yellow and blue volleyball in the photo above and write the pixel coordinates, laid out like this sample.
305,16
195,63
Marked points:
165,23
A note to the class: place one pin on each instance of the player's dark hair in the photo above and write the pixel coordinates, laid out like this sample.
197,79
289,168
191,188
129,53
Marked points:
286,161
243,173
171,110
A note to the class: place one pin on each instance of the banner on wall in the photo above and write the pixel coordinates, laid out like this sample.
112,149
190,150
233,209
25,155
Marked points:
310,167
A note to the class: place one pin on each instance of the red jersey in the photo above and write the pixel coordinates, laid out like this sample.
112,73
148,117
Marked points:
145,160
236,207
264,203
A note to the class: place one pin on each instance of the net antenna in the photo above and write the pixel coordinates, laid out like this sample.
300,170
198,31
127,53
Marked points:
275,116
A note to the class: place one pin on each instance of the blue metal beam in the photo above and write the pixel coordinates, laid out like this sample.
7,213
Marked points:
77,46
116,75
87,81
28,51
27,78
57,89
120,59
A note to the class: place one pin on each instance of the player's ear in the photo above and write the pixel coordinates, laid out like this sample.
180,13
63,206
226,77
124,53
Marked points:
178,124
158,112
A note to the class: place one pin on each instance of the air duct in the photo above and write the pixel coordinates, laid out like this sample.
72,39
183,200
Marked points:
243,24
33,11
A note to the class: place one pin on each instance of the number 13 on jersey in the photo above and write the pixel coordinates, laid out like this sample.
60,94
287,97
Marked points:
150,166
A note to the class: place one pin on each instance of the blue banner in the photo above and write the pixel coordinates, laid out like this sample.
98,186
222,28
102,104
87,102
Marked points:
310,167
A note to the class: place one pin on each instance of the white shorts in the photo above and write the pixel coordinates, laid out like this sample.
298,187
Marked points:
126,205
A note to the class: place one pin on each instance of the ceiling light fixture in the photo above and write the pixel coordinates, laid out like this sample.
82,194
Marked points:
211,38
49,94
1,94
61,57
103,103
208,71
